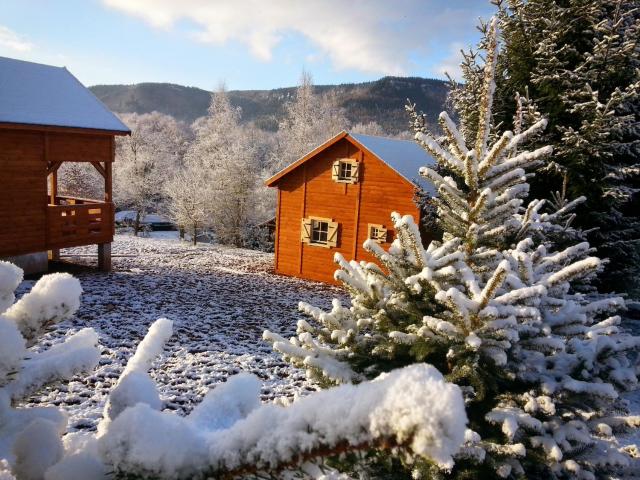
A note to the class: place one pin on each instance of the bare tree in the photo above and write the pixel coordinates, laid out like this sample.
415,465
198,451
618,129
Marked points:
187,203
227,155
310,119
145,160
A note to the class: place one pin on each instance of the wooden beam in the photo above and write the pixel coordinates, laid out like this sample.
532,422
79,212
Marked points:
53,167
53,179
104,257
277,229
52,128
101,170
108,179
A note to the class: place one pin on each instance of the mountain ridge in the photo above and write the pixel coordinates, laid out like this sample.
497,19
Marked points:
380,100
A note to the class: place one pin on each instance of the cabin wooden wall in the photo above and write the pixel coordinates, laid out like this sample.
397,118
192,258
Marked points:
24,155
310,191
23,192
78,147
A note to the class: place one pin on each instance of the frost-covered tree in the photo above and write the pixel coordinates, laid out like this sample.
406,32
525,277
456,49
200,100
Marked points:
493,306
30,437
310,119
145,160
580,62
228,159
186,201
370,128
80,179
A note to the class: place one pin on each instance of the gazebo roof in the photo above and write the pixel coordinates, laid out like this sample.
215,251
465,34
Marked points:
37,94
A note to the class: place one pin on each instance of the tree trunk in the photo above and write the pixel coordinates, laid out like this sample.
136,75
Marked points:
194,238
181,230
136,223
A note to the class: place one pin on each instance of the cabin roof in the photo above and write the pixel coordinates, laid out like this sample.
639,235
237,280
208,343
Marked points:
404,156
37,94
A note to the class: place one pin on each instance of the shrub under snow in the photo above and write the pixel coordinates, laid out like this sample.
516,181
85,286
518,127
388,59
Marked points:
30,437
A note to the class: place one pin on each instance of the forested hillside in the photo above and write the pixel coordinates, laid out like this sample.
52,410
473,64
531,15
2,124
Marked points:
381,101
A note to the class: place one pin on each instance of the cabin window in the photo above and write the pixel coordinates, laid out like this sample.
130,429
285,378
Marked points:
319,232
345,170
377,233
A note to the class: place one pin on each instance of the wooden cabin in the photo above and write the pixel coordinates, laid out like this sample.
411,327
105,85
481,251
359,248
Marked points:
47,117
341,194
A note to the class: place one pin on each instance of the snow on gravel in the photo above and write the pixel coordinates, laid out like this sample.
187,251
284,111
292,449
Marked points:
220,299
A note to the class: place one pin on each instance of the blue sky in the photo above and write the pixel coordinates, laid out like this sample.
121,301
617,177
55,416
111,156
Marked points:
248,44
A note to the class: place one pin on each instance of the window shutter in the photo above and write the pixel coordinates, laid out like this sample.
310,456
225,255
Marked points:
332,234
382,235
305,231
377,233
355,171
335,171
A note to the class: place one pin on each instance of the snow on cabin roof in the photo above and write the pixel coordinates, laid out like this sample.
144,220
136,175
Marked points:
404,156
37,94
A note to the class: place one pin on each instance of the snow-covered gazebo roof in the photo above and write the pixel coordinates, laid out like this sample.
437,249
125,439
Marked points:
37,94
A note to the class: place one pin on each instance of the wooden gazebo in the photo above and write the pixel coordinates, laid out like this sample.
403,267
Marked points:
47,117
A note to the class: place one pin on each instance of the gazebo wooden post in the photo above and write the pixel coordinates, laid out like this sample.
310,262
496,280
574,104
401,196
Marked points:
53,254
104,249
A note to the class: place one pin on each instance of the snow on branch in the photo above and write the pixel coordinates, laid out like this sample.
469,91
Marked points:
135,385
52,299
413,409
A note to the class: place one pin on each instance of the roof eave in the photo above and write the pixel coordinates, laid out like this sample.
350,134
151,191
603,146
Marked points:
65,128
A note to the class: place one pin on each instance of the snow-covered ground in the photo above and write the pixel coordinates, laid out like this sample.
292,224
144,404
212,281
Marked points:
221,299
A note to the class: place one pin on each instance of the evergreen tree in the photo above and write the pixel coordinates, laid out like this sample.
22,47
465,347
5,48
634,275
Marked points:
494,308
580,62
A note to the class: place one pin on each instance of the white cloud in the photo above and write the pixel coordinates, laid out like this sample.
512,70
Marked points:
374,36
11,41
451,64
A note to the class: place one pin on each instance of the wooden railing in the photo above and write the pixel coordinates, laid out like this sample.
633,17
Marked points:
78,221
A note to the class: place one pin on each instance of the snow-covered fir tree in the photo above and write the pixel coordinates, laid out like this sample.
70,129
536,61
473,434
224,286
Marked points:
580,61
493,306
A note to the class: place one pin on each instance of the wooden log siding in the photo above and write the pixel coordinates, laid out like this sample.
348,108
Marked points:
29,157
309,191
